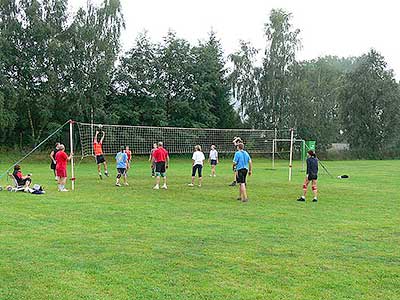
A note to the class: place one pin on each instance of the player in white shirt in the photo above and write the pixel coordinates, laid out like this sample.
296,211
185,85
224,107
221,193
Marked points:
213,159
198,159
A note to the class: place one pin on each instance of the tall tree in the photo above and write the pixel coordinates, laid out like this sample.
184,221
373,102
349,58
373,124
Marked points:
244,80
280,55
370,102
211,86
94,43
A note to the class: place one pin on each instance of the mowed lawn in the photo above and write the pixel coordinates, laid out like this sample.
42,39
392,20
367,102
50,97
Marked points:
104,242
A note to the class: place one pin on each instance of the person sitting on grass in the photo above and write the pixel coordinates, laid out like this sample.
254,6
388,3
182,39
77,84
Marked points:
213,159
197,164
122,163
22,181
312,176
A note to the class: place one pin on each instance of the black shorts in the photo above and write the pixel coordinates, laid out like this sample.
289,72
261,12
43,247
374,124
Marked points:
22,182
160,167
312,177
241,176
199,169
52,166
100,159
213,162
121,171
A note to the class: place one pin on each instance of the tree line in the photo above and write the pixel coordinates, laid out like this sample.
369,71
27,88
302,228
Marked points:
55,67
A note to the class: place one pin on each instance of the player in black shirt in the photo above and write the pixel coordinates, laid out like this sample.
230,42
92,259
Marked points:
312,176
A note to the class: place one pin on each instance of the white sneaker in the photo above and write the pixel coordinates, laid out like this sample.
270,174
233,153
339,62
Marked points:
199,185
117,184
156,187
215,175
165,187
126,184
190,184
64,190
211,175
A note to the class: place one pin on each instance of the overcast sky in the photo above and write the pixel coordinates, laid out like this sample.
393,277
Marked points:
328,27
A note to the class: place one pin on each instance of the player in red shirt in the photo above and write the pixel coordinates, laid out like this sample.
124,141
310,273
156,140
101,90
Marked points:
61,167
129,154
98,152
161,159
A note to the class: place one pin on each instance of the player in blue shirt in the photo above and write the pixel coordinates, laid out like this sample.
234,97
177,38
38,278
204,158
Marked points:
122,163
243,165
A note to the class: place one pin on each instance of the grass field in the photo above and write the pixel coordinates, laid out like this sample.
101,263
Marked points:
104,242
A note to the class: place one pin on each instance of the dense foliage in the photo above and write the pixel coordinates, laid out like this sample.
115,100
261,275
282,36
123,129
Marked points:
54,66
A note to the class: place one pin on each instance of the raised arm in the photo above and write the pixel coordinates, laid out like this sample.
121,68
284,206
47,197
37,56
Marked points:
102,138
95,137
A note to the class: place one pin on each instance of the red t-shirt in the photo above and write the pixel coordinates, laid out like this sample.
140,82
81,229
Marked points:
160,154
61,159
129,154
98,149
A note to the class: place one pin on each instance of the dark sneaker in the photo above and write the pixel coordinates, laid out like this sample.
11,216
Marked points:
107,174
245,200
239,199
233,183
301,199
315,200
101,177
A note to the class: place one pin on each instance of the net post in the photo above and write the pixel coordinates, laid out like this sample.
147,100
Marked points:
71,146
273,154
291,154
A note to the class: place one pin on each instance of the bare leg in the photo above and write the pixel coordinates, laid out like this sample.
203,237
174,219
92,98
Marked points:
200,180
314,188
193,177
243,192
305,186
105,168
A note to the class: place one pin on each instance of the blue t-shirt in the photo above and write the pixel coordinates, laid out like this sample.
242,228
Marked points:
121,159
242,159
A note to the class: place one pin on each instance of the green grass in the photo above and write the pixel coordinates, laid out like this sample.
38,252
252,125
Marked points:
103,242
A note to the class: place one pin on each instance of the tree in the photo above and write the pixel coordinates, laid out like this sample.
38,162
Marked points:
137,97
211,87
370,101
244,80
314,98
280,55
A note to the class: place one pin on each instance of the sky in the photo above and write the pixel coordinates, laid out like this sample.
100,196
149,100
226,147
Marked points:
328,27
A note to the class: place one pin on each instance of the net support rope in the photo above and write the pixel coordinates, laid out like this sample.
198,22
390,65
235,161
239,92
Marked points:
34,149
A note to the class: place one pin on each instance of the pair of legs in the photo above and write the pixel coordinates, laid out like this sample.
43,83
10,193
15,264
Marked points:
121,173
62,181
100,160
153,169
25,183
313,187
197,169
241,180
158,180
234,179
213,167
160,172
